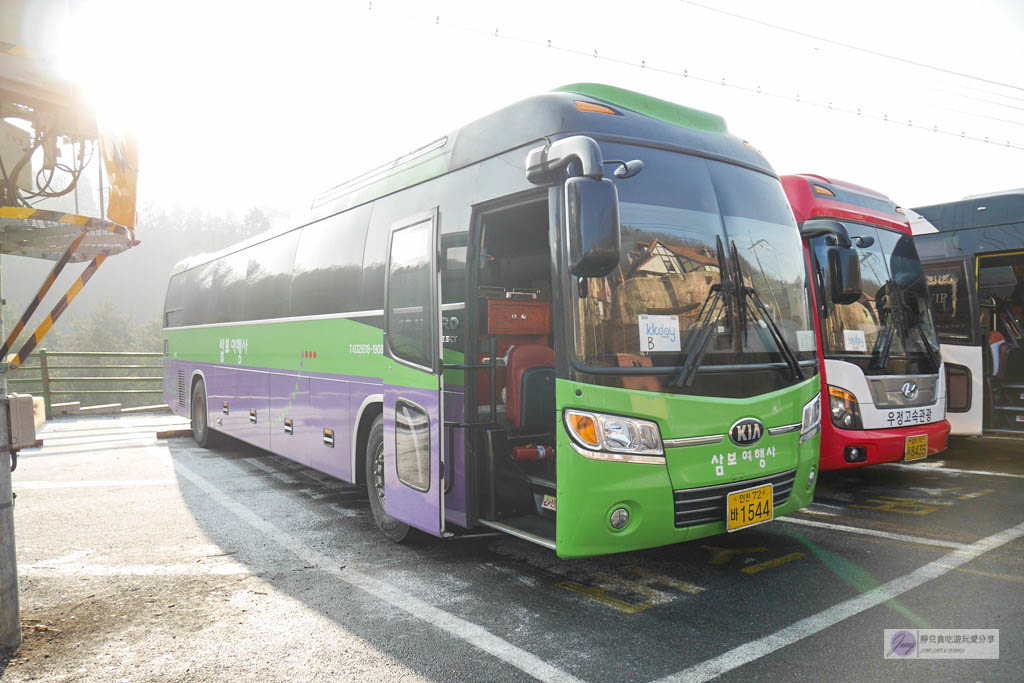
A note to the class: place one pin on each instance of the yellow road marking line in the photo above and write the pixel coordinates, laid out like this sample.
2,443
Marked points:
769,564
601,596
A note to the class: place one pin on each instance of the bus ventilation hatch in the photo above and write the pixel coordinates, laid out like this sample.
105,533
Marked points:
707,504
181,388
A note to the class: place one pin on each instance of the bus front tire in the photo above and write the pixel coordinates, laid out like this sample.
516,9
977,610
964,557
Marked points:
201,432
389,526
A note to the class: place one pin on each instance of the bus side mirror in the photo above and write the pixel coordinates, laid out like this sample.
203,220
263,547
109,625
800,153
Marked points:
818,228
844,275
592,217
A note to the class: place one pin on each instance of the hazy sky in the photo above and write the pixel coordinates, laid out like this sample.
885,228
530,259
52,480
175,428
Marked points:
259,103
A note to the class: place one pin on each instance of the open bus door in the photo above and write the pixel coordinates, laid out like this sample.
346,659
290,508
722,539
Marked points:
1000,286
954,308
413,473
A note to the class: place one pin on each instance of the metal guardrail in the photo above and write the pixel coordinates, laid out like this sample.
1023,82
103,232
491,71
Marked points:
49,385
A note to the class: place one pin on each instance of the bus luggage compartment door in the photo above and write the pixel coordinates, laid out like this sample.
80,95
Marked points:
413,477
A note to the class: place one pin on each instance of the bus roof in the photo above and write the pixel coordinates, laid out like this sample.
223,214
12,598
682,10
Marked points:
977,211
625,116
815,196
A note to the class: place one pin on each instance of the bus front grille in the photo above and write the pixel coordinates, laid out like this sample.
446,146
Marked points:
707,504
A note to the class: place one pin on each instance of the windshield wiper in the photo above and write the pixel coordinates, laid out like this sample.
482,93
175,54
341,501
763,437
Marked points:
897,318
749,292
883,347
933,356
700,335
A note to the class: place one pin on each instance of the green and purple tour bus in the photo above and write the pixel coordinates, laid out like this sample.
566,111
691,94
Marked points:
582,320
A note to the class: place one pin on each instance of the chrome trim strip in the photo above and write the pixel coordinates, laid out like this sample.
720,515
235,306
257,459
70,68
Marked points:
718,438
693,441
512,531
784,429
810,434
616,457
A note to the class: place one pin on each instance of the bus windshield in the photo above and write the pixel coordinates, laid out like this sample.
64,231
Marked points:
691,228
893,309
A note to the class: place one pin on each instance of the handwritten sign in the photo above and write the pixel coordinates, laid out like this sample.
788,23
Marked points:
658,333
854,340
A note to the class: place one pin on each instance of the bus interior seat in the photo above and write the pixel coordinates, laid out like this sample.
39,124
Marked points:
530,388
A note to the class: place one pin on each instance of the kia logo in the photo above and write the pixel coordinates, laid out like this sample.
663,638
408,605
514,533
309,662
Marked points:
746,432
909,390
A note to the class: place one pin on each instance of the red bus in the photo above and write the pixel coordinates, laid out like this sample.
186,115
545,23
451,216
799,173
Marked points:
882,376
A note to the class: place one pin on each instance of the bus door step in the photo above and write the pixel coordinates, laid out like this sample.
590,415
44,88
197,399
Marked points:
529,528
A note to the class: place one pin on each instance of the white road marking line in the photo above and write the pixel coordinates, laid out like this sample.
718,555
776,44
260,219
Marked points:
195,569
94,447
92,484
872,532
950,470
754,650
474,635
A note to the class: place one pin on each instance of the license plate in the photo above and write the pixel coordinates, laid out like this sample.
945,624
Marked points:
916,447
749,507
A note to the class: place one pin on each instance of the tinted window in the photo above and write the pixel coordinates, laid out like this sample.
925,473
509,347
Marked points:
373,264
951,304
893,306
268,277
674,218
220,291
328,265
760,223
179,295
251,284
409,315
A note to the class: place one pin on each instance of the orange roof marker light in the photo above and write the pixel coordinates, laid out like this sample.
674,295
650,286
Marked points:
595,108
819,189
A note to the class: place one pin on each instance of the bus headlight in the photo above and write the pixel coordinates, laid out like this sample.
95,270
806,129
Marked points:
810,420
595,431
844,409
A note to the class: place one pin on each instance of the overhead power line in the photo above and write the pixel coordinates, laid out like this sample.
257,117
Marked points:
792,98
856,48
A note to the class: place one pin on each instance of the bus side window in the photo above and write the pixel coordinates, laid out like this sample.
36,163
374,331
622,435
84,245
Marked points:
951,305
409,292
328,264
268,277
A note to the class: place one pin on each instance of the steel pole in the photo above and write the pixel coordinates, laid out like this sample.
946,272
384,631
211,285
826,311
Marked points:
10,612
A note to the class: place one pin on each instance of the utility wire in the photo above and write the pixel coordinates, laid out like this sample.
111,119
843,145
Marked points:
848,46
793,98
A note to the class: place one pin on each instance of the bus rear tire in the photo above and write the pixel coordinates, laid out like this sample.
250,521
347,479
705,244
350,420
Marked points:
389,526
201,432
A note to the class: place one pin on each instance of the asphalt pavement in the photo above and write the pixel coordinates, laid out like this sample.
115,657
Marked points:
143,559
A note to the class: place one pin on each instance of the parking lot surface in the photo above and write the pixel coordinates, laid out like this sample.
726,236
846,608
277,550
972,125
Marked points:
143,558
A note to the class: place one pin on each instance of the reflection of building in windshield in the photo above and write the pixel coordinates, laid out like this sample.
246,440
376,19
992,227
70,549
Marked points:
666,279
655,277
658,258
